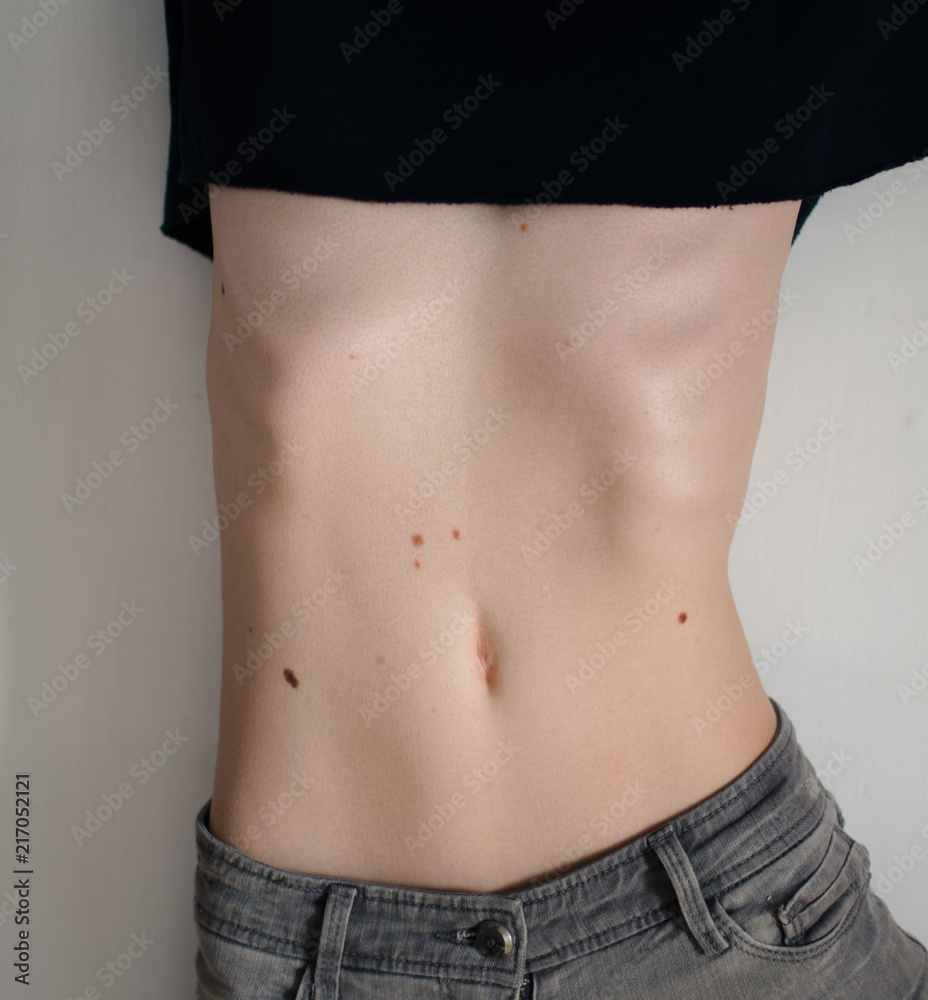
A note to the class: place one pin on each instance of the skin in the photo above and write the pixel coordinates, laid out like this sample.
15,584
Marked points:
427,455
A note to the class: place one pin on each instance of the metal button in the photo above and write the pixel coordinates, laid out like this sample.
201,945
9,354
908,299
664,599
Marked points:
493,938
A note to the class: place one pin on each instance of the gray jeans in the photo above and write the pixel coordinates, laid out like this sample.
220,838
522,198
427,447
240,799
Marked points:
756,893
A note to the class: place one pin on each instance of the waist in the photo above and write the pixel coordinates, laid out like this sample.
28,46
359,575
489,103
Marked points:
775,804
480,749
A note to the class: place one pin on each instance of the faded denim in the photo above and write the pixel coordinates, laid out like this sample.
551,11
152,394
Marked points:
756,893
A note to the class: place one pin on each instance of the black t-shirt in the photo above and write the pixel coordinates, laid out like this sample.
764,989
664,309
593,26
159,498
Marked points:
532,103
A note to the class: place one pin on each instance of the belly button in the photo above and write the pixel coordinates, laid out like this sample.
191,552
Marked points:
486,656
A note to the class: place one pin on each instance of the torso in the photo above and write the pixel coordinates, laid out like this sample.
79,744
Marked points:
481,507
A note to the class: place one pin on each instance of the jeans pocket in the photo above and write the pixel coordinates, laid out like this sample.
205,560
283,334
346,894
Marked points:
228,968
803,902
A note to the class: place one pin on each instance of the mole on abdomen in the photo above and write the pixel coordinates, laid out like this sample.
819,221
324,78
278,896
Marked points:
417,540
524,227
291,677
681,618
455,533
223,287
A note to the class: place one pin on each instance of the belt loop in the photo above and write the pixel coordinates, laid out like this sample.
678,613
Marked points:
332,941
689,894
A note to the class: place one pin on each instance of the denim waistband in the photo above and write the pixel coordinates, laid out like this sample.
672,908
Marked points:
499,937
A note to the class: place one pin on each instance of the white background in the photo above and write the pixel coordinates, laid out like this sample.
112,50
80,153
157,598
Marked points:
792,562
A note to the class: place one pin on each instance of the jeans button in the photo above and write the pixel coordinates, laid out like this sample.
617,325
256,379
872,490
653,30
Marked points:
493,939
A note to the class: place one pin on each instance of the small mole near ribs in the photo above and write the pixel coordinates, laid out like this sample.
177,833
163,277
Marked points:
681,618
417,540
291,678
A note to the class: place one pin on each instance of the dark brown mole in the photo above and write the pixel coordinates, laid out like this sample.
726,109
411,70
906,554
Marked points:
223,287
291,677
681,618
524,227
455,533
417,540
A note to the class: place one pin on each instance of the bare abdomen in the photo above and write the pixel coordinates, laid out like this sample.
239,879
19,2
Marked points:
474,612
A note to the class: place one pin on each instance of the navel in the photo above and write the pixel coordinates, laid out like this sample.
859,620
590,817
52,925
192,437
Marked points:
486,656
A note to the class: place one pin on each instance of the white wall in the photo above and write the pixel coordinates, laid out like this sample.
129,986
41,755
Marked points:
127,542
857,274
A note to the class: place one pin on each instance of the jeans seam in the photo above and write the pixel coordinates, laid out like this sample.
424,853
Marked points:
205,919
744,942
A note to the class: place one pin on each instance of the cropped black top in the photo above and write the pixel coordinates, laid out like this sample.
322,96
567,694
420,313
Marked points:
519,102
